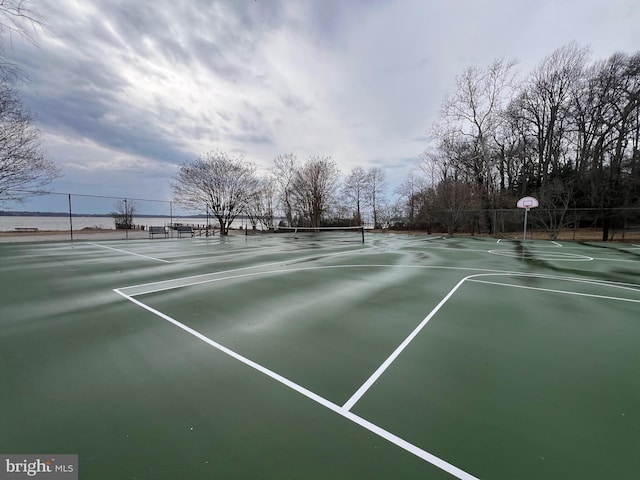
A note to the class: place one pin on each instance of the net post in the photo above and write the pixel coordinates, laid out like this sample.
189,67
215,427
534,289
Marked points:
362,230
70,219
126,220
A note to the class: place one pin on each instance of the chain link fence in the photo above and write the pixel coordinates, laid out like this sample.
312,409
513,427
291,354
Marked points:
75,216
579,224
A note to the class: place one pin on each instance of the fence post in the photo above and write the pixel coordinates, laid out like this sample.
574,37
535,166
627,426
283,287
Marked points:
70,219
495,222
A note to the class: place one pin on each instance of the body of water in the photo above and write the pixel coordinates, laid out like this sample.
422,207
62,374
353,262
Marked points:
9,223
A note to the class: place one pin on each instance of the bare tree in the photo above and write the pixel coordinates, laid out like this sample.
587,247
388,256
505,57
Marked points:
374,194
512,154
224,184
409,196
614,131
454,205
452,196
474,112
315,188
385,212
354,190
284,172
16,18
542,108
24,169
555,196
262,209
124,212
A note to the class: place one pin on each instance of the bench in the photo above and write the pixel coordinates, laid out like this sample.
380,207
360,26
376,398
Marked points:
158,231
26,229
184,230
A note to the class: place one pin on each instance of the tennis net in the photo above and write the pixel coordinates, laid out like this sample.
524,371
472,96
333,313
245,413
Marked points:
342,234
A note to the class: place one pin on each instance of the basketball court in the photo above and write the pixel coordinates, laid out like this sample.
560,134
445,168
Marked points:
314,355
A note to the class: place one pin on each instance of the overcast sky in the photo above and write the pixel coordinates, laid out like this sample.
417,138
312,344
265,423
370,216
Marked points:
125,91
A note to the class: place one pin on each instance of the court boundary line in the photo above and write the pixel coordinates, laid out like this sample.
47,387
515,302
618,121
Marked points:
555,243
282,263
362,390
563,292
615,260
350,403
543,255
128,253
345,409
217,254
373,428
606,283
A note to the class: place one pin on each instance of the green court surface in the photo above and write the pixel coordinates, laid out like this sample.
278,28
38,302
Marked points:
320,357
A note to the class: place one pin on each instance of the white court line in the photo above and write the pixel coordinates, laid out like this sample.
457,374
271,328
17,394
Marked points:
128,253
251,267
564,292
391,358
176,254
546,255
615,260
381,369
251,274
345,409
604,283
556,244
390,437
200,279
234,252
212,254
404,241
173,286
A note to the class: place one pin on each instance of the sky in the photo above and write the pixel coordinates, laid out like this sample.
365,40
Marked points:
126,91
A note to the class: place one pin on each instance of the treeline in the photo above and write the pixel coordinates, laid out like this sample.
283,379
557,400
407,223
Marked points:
306,193
568,134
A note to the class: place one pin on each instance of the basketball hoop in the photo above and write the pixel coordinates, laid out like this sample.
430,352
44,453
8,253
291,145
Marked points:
526,203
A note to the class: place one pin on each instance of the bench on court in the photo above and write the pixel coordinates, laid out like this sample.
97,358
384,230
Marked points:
26,229
158,231
184,230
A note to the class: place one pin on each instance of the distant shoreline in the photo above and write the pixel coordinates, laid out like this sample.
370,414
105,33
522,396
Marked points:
97,215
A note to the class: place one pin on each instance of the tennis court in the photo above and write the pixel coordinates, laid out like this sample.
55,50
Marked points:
318,356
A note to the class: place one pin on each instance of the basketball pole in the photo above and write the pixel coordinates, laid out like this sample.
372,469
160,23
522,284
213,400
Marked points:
526,203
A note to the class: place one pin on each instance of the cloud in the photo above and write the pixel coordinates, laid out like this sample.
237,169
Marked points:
129,90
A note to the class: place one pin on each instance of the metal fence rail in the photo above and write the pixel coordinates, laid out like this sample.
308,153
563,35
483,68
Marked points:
568,224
